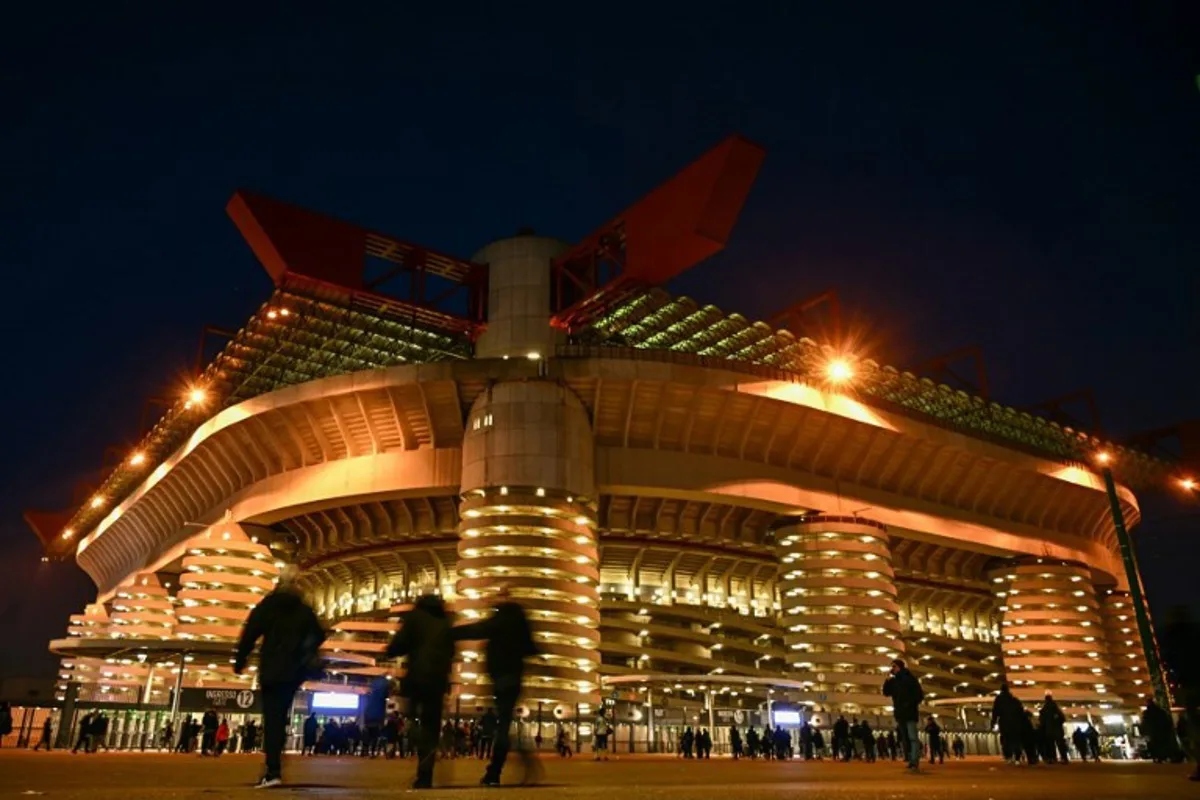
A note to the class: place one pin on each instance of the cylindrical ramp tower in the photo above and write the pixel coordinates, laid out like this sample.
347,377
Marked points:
1129,667
840,616
528,521
1052,634
518,297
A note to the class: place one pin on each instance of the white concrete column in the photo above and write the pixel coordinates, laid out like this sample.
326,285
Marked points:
518,324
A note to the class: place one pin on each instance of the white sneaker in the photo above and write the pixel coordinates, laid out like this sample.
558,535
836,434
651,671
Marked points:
268,782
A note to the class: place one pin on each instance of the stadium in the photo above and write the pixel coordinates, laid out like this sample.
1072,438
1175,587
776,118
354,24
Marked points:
711,520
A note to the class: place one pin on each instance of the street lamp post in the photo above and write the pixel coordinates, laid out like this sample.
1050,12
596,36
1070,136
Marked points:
1145,632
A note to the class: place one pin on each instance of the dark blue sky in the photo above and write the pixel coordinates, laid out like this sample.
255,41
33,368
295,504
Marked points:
1022,176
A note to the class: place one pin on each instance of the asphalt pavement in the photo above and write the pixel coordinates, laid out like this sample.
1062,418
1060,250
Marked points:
159,776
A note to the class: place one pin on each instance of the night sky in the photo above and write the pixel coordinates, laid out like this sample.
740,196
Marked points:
1025,177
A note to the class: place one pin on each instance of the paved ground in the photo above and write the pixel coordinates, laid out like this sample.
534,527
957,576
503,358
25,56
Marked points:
158,777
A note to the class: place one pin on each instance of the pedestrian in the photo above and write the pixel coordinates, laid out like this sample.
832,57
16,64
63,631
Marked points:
1007,714
735,742
208,739
906,693
1181,650
1093,740
221,738
959,748
933,732
562,744
600,737
819,744
6,720
868,741
1160,733
47,726
85,732
291,636
427,639
686,741
1029,738
1079,739
487,733
752,743
250,741
509,639
1053,721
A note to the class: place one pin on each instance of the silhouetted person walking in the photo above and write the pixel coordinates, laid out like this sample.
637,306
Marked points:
906,693
426,638
1008,714
509,642
1053,720
291,635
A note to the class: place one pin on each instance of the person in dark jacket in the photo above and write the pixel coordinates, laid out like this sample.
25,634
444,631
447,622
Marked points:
841,736
1029,738
1007,713
291,635
937,750
426,638
509,641
208,736
1053,720
906,693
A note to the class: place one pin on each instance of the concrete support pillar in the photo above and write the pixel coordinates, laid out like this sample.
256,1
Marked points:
528,520
840,615
1125,653
1052,635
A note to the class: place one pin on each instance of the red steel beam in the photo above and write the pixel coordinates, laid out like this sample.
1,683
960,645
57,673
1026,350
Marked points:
673,228
296,245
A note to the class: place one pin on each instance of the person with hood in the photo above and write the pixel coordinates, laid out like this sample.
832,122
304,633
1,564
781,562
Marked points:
509,642
1053,720
426,638
290,634
1008,714
906,693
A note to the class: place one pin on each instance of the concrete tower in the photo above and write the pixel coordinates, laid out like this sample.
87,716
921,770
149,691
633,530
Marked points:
518,323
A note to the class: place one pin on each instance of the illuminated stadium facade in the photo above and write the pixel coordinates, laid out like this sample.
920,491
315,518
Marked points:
693,507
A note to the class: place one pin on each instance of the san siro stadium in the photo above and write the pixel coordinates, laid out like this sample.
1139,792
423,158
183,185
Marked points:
711,521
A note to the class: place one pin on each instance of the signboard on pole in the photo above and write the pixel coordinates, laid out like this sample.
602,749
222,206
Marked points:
231,701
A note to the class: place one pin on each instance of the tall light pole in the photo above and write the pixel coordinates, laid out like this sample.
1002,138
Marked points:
1134,578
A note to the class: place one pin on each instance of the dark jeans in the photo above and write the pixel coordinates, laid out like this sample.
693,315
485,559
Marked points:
427,708
912,744
277,702
506,703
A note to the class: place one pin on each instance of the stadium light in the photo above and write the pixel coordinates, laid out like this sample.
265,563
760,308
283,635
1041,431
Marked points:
137,458
195,397
1104,458
97,501
838,370
1188,484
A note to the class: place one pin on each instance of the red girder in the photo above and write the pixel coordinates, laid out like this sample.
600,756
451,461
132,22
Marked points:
798,319
940,367
301,247
676,226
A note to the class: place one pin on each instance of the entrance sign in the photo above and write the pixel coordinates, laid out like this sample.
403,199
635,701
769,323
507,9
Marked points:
334,701
234,701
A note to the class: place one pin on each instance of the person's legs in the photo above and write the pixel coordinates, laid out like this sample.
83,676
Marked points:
277,702
506,701
428,708
914,743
